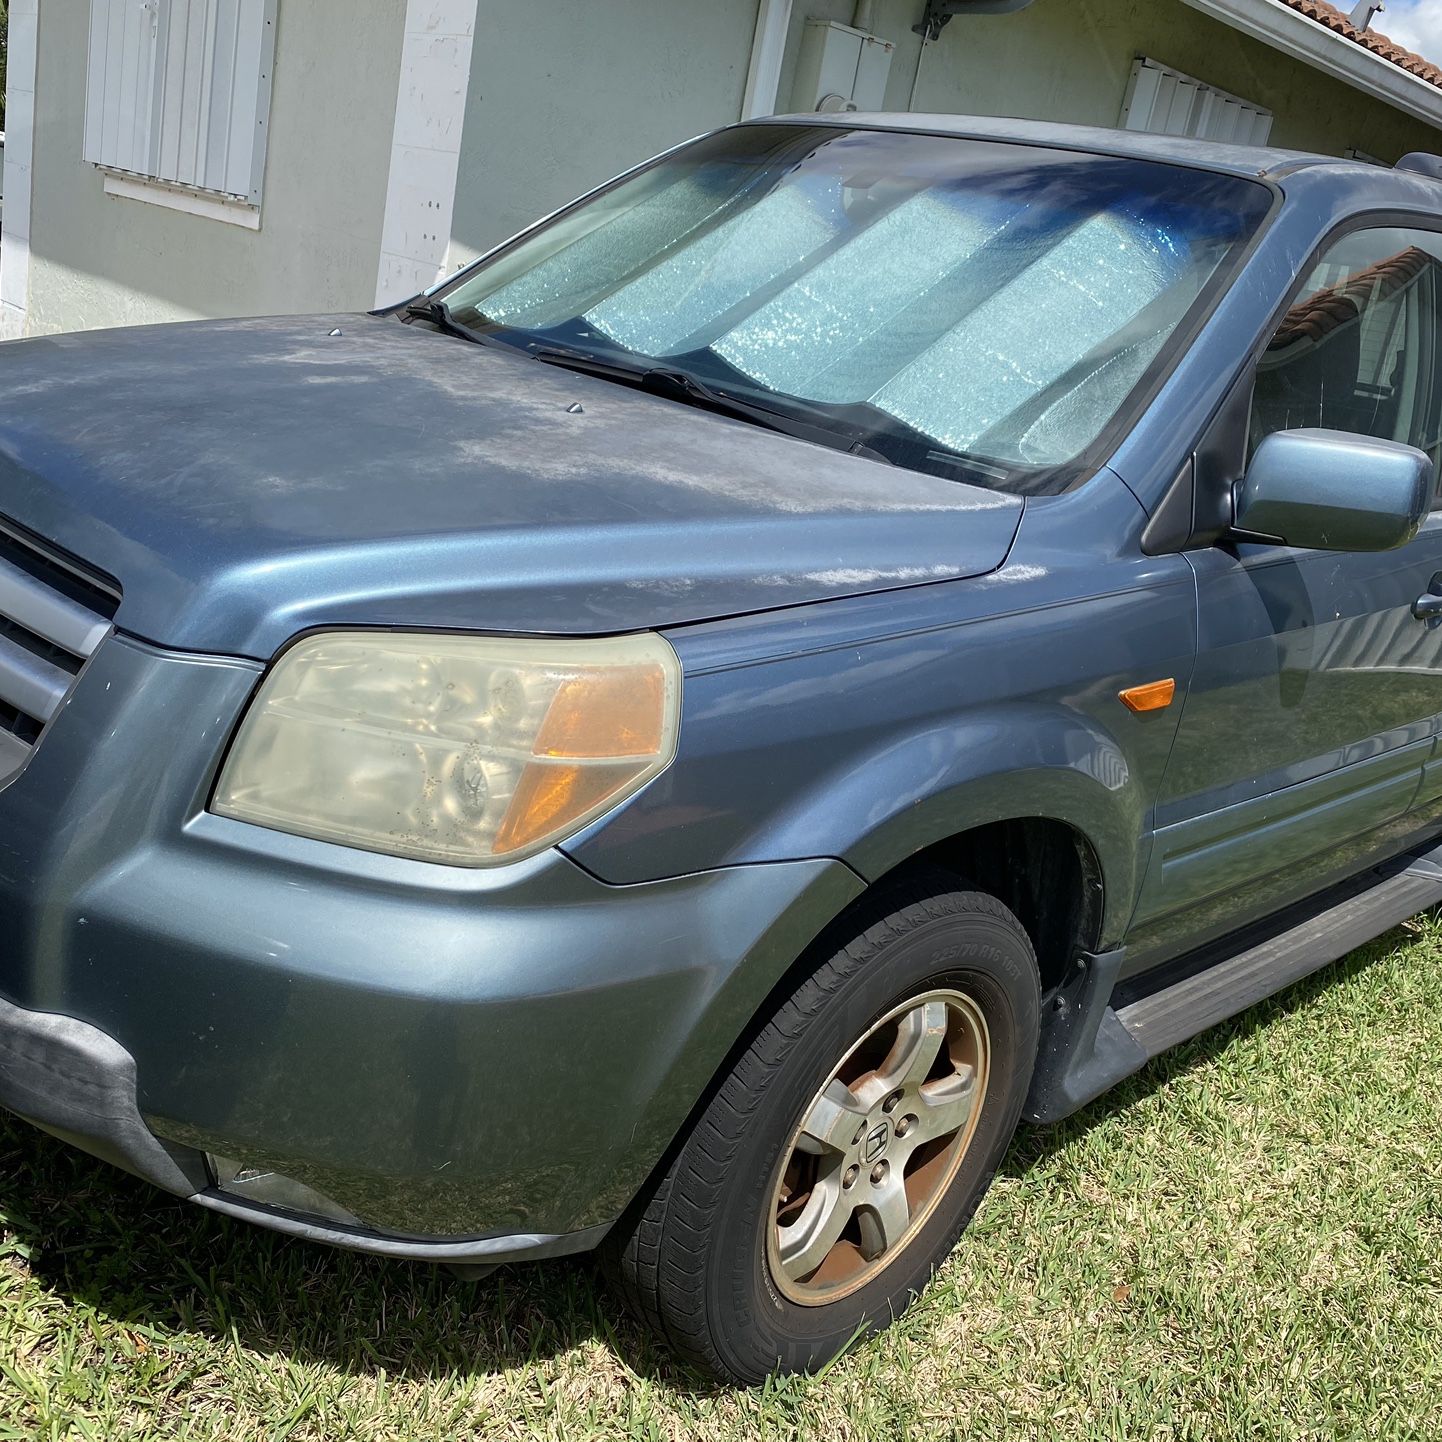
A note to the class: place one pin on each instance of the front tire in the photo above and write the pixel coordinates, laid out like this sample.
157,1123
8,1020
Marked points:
839,1160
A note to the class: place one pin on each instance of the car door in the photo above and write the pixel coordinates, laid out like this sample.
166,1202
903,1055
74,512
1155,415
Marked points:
1317,692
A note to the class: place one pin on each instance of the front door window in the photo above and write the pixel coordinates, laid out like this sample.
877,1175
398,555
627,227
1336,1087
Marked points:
1358,350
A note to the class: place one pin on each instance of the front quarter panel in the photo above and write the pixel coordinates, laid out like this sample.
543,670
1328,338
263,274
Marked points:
870,728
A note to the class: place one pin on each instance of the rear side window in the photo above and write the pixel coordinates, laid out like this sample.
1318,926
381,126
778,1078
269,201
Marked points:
1358,350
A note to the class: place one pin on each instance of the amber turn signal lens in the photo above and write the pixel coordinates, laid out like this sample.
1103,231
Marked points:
549,796
1154,696
601,727
602,714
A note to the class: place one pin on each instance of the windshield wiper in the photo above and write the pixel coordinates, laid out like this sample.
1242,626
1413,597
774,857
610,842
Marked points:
439,315
683,386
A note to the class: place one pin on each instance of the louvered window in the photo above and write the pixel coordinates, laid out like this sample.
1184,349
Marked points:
179,91
1167,102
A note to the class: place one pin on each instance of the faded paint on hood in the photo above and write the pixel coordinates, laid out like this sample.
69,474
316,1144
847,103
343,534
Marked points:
245,480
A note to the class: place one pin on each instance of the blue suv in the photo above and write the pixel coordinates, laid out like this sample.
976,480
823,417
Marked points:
859,632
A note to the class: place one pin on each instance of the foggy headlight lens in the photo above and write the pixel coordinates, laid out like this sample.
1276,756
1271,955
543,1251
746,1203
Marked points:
468,750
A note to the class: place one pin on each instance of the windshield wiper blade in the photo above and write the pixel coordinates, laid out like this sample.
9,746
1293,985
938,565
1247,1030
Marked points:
682,385
664,379
587,364
439,315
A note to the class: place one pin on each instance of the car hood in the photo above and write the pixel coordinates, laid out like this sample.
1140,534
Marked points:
244,480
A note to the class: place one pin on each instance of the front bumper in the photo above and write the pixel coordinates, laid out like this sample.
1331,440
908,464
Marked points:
79,1084
471,1065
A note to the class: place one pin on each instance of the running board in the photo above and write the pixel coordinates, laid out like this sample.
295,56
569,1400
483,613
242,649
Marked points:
1088,1044
1185,1009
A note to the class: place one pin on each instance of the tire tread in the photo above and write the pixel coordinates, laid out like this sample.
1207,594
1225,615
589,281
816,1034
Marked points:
655,1259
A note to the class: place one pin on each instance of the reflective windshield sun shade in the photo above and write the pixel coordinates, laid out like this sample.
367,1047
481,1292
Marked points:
842,315
655,313
984,310
560,283
1031,331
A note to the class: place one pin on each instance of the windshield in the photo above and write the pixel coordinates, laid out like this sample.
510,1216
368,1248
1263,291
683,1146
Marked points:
974,309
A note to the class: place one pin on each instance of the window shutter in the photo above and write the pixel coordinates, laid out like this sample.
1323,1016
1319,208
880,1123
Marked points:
119,83
179,91
1167,102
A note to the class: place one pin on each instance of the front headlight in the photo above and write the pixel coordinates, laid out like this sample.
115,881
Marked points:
463,749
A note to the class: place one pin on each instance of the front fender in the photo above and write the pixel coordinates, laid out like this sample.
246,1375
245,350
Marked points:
868,729
1035,761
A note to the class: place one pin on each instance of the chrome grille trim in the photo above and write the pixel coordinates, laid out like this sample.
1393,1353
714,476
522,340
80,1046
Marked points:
29,684
51,616
14,753
47,633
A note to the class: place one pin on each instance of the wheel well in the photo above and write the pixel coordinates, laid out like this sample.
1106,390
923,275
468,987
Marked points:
1044,870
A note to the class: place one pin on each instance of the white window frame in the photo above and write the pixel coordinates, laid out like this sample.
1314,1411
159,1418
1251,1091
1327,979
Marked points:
164,88
1205,105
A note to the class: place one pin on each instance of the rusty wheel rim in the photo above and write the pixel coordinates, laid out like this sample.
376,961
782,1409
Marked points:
877,1148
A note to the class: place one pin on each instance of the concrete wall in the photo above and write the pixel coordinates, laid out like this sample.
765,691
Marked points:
564,94
1070,60
101,260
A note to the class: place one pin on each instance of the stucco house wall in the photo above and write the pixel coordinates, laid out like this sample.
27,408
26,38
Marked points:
102,260
1071,59
567,93
408,136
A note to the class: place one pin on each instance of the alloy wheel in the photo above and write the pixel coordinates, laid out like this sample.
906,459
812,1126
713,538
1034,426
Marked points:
878,1146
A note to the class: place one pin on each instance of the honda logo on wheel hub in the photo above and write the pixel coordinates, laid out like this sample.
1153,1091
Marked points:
876,1140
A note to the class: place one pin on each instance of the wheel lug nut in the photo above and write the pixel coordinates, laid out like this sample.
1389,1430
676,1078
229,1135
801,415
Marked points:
890,1103
878,1173
860,1132
849,1180
905,1125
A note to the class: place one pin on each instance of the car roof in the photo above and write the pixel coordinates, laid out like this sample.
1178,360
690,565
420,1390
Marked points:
1249,160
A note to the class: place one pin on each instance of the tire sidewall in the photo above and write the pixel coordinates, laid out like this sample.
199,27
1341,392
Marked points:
983,953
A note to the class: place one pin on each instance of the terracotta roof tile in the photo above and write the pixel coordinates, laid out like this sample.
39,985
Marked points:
1335,19
1324,310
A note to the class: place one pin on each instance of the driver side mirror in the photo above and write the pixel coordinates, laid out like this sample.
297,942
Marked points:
1333,491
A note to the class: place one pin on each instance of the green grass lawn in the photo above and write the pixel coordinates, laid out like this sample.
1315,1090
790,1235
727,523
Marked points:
1243,1241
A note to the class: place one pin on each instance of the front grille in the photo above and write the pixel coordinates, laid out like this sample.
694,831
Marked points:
52,617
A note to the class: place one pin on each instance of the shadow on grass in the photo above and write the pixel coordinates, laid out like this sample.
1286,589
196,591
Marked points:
105,1241
1036,1143
170,1271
